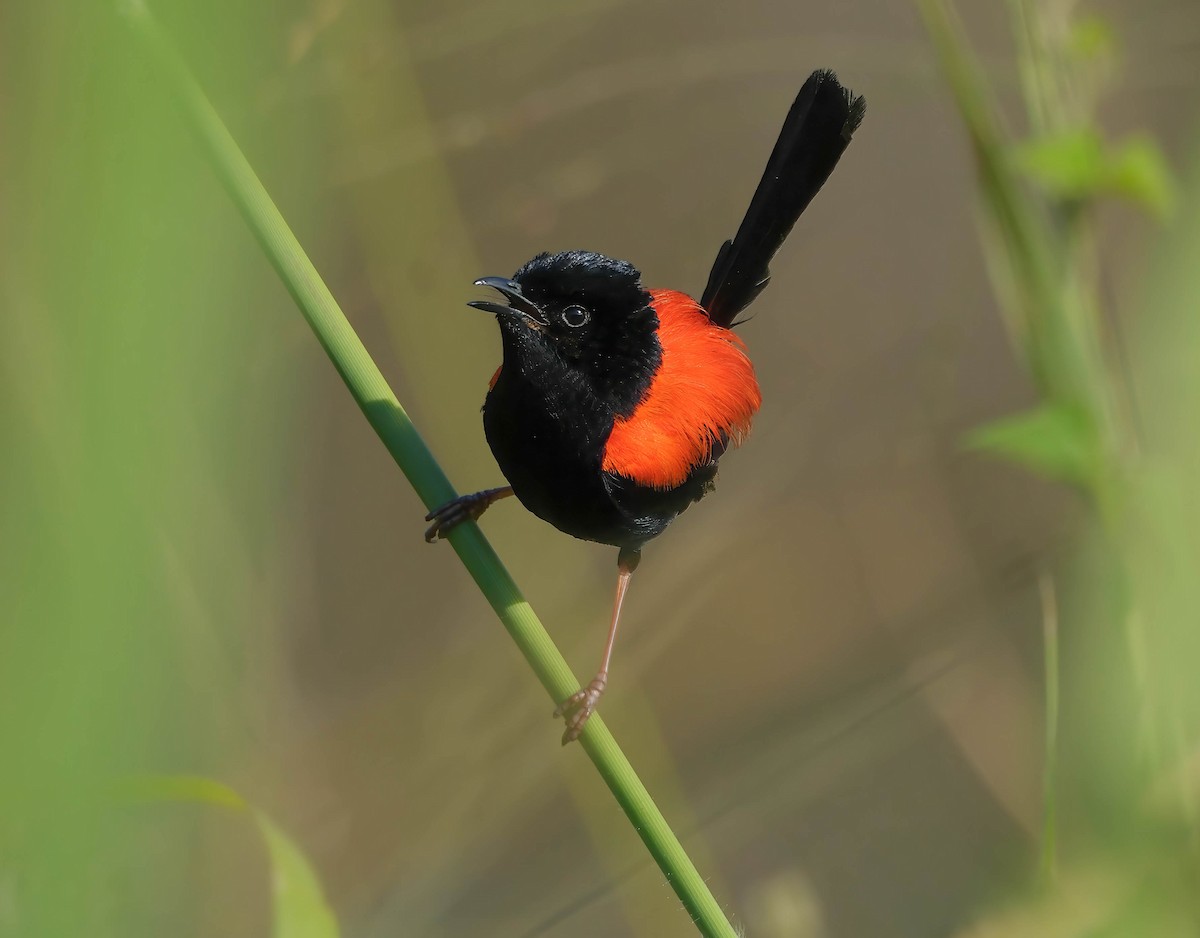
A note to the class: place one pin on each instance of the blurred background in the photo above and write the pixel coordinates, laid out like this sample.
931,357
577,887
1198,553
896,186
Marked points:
832,673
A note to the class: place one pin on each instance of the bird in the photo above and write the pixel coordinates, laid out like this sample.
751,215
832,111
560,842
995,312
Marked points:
614,403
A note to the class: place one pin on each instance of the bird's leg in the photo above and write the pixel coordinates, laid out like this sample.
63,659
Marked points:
582,704
464,508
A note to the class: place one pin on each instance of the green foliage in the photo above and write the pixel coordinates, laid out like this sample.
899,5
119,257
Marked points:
1076,165
119,577
1134,628
1091,38
1053,440
1139,172
300,909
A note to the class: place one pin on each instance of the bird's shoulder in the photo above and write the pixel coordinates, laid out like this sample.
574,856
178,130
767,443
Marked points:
700,401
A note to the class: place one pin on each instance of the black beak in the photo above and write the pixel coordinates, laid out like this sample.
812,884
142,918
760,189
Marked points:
517,302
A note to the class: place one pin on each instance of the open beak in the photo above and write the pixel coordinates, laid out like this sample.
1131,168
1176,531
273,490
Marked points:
517,303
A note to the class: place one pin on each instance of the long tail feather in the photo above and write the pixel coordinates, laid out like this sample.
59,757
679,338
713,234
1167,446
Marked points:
814,136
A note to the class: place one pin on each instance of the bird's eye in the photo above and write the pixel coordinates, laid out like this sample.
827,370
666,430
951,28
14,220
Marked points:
575,316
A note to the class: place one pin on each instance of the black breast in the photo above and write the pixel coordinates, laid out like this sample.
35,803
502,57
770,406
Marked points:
550,450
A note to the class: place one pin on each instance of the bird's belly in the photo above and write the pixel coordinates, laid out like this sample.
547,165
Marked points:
552,453
554,467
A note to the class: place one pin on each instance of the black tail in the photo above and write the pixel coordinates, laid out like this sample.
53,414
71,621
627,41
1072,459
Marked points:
814,136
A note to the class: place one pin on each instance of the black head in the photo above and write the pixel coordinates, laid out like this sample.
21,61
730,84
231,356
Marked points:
582,312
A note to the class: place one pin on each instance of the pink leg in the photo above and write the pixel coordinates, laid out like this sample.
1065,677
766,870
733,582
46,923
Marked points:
577,708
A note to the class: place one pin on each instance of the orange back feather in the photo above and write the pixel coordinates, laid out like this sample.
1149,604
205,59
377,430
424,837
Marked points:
705,389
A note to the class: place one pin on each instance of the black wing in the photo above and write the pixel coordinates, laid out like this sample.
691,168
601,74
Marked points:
814,136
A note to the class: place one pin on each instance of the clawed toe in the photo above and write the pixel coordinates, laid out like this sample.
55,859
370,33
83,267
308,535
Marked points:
446,519
579,707
464,508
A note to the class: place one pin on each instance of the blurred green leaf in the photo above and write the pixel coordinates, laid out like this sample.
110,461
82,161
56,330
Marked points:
192,788
1070,164
1056,441
1139,172
1091,38
1077,165
297,898
300,907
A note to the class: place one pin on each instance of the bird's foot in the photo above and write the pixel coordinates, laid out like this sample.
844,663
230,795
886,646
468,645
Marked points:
464,508
577,708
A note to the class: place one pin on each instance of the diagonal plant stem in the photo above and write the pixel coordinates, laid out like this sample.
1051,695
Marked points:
396,431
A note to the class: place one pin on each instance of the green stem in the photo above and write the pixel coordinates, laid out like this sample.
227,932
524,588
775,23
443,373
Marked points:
1034,258
391,423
